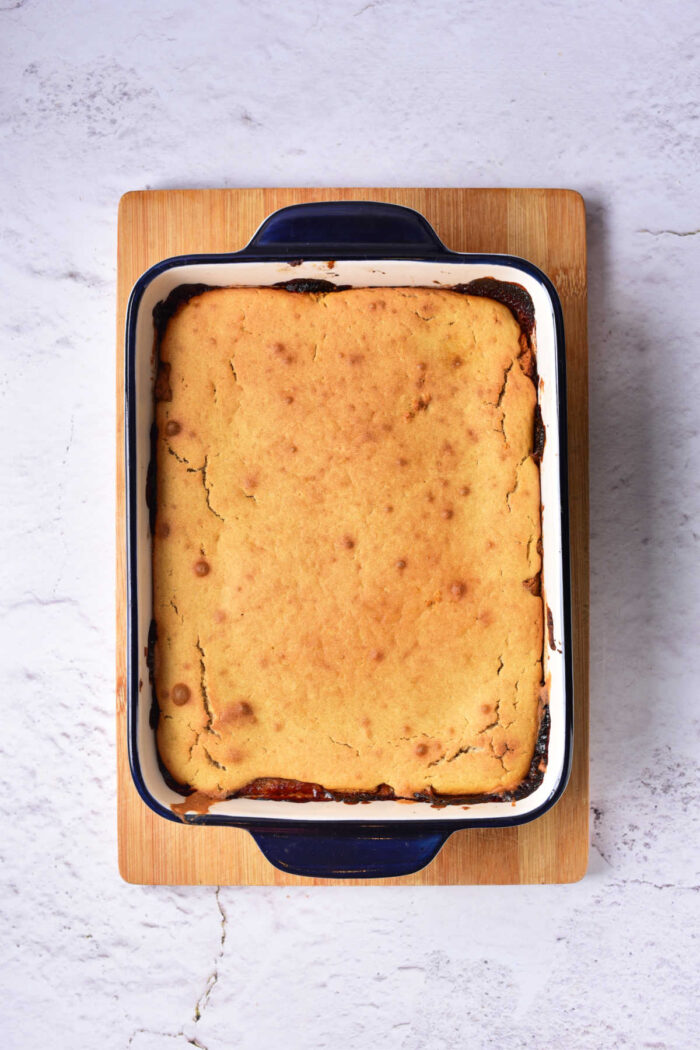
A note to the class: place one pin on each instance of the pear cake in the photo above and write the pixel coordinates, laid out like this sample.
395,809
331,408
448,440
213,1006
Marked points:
347,545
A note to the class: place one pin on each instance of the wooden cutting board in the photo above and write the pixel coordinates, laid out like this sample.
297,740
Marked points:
548,228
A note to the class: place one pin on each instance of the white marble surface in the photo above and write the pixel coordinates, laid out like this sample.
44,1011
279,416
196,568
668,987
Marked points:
99,98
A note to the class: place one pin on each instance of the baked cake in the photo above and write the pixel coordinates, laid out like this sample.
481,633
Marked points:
347,544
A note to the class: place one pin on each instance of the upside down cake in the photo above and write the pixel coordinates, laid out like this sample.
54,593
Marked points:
347,544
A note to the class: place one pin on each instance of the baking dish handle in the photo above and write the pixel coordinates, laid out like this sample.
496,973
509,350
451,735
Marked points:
358,229
368,853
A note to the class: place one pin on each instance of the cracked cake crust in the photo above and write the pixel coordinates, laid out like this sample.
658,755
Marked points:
347,544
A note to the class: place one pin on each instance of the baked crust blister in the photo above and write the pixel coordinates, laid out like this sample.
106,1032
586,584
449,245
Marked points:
347,551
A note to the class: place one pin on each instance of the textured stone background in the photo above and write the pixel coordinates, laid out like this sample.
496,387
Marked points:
99,98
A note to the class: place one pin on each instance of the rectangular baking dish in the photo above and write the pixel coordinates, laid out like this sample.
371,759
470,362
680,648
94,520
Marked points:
359,244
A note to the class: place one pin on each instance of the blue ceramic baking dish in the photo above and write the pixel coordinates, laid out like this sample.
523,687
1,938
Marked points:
358,243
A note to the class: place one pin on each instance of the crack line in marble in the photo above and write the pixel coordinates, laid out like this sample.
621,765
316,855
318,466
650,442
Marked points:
671,233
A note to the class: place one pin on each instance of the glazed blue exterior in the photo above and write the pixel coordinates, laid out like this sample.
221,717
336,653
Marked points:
358,847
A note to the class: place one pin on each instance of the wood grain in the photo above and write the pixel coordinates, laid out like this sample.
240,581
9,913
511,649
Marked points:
544,226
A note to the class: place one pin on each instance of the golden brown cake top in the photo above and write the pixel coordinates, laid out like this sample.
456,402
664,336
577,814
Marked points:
347,543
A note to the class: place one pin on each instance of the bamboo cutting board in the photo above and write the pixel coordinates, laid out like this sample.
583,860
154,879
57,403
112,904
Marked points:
548,228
